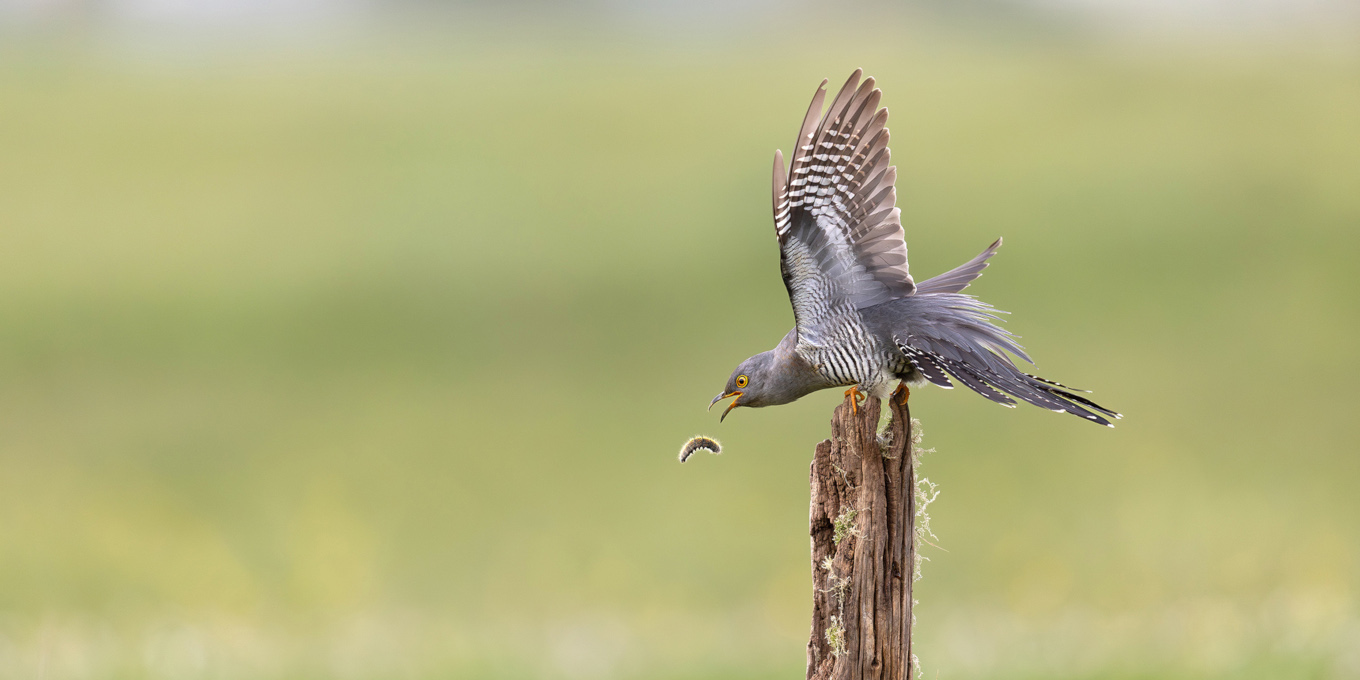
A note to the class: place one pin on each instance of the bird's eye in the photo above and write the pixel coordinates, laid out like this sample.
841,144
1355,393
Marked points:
741,381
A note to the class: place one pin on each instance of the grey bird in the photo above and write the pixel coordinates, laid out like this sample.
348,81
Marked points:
859,317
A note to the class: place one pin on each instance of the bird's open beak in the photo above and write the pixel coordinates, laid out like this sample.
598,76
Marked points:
724,395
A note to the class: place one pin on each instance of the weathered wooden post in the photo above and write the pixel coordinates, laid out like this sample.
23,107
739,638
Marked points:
863,546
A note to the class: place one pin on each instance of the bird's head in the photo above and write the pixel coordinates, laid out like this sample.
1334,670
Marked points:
752,383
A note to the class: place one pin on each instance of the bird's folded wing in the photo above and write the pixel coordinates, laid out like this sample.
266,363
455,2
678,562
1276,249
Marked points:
840,234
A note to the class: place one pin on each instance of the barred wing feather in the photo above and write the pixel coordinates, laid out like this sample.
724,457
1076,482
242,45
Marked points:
840,234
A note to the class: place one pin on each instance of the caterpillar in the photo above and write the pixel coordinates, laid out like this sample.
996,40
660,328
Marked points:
699,442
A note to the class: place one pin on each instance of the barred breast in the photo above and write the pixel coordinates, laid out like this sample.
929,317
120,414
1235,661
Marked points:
848,354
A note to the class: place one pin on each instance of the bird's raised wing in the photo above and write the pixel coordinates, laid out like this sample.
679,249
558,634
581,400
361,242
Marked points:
840,234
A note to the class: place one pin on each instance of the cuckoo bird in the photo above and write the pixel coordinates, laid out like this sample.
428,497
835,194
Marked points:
860,320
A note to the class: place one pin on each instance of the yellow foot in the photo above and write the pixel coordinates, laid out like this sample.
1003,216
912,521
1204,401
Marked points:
903,393
854,403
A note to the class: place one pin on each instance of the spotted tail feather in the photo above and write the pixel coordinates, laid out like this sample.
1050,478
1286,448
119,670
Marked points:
926,365
956,334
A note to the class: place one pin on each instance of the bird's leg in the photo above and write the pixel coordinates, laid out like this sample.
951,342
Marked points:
854,402
903,393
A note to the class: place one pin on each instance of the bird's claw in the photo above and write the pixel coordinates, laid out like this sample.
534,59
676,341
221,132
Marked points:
857,396
902,394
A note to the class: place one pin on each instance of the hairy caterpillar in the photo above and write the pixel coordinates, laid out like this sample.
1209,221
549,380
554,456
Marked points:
699,442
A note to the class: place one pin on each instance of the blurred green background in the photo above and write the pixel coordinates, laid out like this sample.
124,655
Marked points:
366,352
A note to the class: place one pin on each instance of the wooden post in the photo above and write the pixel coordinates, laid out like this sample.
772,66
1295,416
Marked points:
863,547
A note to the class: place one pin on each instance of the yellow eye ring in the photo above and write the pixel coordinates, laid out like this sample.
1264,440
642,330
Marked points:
742,381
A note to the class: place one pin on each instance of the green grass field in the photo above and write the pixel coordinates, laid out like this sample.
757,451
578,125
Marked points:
373,362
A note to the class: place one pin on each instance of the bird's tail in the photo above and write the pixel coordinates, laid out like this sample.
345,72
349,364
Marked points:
955,334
